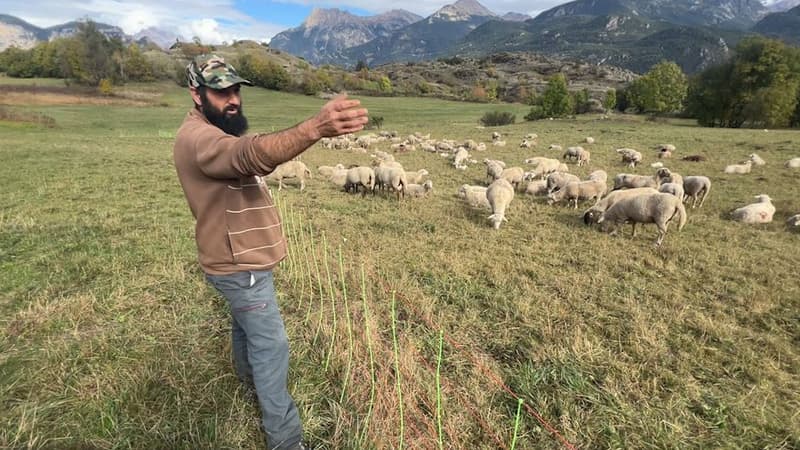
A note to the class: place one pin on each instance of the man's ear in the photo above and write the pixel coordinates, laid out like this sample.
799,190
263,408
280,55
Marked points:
195,96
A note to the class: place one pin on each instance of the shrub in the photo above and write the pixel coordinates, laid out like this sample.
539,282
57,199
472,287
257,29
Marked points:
105,87
498,118
374,122
536,113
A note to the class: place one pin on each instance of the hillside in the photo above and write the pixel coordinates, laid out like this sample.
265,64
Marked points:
783,25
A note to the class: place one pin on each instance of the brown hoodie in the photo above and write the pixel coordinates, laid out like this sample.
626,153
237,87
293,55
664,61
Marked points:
238,227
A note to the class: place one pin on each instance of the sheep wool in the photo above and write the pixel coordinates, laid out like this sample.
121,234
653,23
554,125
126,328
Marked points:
657,208
499,193
759,212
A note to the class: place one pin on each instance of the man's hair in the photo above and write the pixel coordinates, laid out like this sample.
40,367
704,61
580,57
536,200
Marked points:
201,91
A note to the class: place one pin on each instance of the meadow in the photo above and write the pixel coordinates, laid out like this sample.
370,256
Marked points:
412,324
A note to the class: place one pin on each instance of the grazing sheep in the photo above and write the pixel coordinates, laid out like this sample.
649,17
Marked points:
755,159
513,175
663,175
696,186
589,140
739,168
545,166
494,169
694,158
657,208
579,190
591,215
419,190
630,156
759,212
599,175
628,181
793,163
557,180
475,196
391,177
327,171
460,158
672,188
360,176
572,153
416,176
289,170
499,193
555,147
536,187
793,221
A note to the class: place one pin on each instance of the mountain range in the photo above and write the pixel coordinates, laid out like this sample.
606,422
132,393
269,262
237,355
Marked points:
632,34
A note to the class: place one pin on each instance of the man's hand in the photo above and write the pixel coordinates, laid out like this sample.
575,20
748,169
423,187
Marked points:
338,116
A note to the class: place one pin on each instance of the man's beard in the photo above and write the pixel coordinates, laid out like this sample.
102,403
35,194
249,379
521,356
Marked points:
235,124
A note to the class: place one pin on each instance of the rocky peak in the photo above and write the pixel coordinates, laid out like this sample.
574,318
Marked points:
321,17
463,10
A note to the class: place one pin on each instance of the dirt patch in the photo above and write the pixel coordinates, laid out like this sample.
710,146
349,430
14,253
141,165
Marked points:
52,95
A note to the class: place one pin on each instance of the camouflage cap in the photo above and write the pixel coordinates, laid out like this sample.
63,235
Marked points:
212,71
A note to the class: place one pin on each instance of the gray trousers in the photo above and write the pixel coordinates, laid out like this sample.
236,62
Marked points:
261,351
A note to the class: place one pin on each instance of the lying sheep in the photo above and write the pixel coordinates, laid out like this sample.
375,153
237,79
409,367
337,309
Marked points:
327,171
696,186
555,147
589,140
526,144
628,181
557,180
362,176
759,212
672,188
499,193
665,150
793,163
536,187
755,159
290,170
460,158
419,190
592,214
579,190
499,143
739,168
657,165
656,208
475,196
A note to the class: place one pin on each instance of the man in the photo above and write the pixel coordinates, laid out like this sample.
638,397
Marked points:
238,231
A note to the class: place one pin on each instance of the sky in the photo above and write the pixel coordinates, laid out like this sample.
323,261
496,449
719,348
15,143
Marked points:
216,21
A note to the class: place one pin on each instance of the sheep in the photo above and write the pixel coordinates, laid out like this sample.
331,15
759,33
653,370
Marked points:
555,147
572,152
696,186
584,157
360,176
532,136
599,175
694,158
383,156
630,156
536,187
755,159
339,177
591,215
589,140
579,190
460,158
759,212
419,190
663,175
327,171
499,143
496,135
793,221
627,181
739,168
545,166
513,175
525,144
416,176
475,196
499,193
657,165
392,177
793,163
557,180
290,169
493,169
659,208
672,188
665,150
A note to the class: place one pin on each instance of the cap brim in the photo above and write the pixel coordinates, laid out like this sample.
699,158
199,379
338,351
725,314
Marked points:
230,82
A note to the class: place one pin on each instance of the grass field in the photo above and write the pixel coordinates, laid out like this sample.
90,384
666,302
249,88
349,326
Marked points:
110,337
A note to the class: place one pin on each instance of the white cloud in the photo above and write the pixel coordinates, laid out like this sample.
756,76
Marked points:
428,7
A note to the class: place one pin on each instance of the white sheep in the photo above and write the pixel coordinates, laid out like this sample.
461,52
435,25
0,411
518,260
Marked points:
289,170
419,190
499,193
628,181
657,165
513,175
656,208
739,168
759,212
665,150
499,143
555,147
536,187
532,136
696,186
630,156
672,188
591,215
545,166
579,190
793,163
460,158
557,180
599,175
391,177
339,177
360,176
496,135
755,159
572,153
526,144
494,169
416,176
327,171
589,140
475,196
663,175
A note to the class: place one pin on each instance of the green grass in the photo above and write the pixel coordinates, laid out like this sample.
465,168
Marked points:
110,338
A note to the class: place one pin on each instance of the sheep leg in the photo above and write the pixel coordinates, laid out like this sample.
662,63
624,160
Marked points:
633,229
703,197
662,232
302,184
